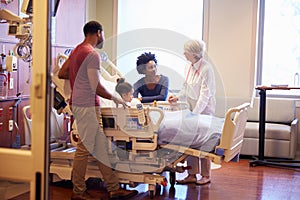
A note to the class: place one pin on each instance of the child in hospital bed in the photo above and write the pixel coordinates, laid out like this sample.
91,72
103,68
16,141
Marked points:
125,90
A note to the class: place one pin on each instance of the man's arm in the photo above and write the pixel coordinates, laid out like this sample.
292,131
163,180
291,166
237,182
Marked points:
64,70
100,90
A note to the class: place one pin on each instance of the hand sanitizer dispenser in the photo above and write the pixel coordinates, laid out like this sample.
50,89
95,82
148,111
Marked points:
11,63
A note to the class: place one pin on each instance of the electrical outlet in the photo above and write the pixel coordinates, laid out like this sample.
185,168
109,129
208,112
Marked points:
10,125
11,83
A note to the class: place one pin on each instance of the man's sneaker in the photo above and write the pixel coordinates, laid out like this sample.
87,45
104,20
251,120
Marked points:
122,194
82,196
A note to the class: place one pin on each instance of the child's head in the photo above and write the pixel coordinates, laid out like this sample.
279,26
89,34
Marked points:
125,89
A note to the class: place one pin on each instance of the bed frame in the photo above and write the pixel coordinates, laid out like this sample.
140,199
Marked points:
138,144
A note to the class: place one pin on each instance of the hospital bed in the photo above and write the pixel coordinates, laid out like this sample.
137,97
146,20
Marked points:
136,154
135,151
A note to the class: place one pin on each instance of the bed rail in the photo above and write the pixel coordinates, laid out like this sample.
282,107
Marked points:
165,105
233,132
122,125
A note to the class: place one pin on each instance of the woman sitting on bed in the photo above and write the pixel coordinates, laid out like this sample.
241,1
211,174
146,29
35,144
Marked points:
125,90
152,86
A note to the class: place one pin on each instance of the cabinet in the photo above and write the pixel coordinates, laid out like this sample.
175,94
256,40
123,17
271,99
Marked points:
10,113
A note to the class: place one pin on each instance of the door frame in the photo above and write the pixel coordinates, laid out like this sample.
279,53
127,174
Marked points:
33,165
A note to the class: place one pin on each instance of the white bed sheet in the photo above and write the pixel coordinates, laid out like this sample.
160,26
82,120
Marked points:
191,130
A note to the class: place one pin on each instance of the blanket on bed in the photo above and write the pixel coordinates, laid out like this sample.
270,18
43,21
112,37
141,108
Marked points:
191,130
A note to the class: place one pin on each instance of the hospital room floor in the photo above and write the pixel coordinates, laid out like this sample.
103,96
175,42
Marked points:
231,181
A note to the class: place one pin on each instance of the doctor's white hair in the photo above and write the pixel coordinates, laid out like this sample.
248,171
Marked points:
196,47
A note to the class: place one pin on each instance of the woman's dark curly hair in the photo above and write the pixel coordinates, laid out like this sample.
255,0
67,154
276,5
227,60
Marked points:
142,60
123,87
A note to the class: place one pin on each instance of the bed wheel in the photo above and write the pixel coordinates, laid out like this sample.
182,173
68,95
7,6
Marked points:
151,194
157,189
236,158
252,164
123,186
152,189
172,178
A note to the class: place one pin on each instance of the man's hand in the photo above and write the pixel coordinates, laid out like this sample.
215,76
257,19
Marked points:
118,101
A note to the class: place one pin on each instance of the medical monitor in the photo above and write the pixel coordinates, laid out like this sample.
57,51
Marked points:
55,7
27,7
12,29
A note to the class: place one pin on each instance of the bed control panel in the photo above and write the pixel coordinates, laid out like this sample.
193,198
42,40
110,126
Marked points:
141,114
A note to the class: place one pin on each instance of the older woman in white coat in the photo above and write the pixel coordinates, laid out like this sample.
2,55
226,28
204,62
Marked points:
199,92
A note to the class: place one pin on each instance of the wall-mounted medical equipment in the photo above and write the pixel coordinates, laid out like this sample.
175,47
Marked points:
21,28
11,63
6,1
27,7
3,86
3,61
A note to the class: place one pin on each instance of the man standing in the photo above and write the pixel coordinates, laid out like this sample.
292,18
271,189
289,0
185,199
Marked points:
83,69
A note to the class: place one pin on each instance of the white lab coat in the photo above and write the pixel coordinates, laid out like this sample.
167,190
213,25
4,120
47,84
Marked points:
199,88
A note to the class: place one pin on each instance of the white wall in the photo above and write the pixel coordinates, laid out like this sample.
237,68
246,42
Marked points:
90,10
105,12
230,34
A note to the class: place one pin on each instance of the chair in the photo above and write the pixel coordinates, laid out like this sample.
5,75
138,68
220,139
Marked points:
281,128
57,123
27,124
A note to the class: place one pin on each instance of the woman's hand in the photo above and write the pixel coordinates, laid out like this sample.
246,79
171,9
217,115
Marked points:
172,99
